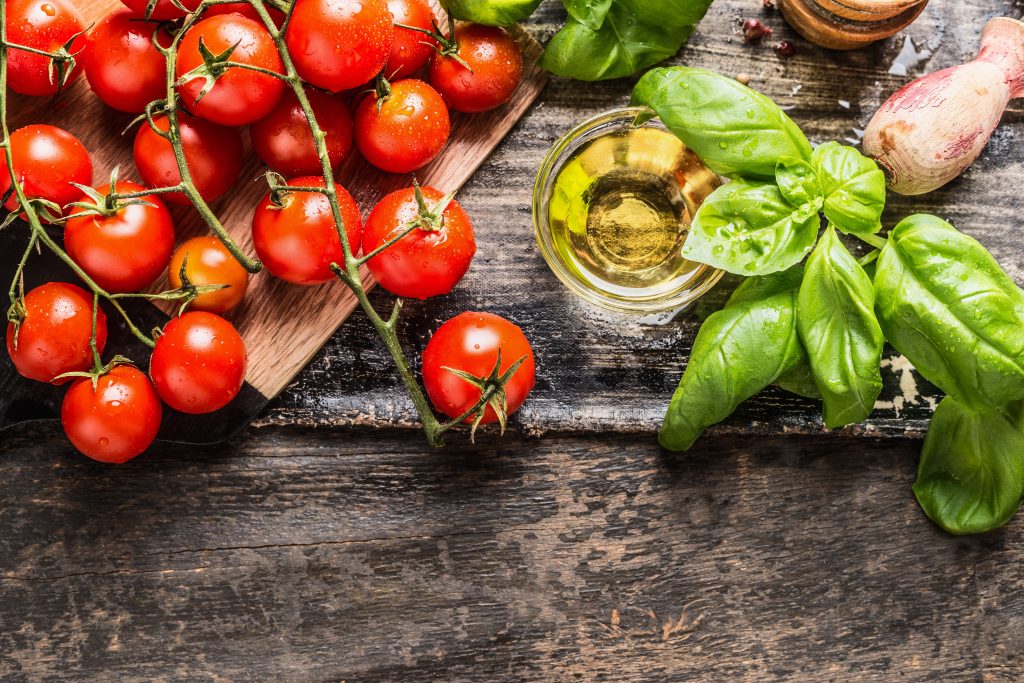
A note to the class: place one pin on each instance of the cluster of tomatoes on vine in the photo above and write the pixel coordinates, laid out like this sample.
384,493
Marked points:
121,235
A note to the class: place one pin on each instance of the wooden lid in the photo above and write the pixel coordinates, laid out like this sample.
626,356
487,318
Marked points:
837,32
867,10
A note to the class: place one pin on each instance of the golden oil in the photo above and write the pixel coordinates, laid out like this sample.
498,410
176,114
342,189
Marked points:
618,212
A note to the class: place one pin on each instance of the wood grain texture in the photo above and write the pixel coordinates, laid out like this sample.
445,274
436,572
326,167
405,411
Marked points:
601,371
283,325
327,555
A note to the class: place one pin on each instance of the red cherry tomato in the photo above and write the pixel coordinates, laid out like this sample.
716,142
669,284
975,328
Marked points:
339,44
123,67
47,160
44,25
411,49
126,251
407,131
115,421
428,261
297,241
469,342
283,142
246,10
198,365
239,96
164,9
495,62
213,154
54,335
210,263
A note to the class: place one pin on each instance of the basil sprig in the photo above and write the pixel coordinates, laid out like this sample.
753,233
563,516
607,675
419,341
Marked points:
818,329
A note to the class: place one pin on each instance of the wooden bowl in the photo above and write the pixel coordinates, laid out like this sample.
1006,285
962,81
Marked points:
849,24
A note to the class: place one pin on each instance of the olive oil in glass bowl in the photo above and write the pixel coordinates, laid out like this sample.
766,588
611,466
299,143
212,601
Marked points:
612,206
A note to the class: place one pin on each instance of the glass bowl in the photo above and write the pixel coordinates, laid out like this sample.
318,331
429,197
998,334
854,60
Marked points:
606,240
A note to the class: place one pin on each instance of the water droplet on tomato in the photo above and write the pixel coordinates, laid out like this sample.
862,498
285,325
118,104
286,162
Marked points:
104,441
48,9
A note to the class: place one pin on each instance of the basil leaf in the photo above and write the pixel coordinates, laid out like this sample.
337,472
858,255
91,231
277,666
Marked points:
945,304
799,380
491,12
630,36
837,326
738,352
797,181
590,14
971,475
733,129
854,188
748,228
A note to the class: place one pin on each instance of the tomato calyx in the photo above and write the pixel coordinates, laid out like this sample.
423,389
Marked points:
444,45
382,91
61,61
429,218
212,68
104,204
47,211
280,189
492,394
97,371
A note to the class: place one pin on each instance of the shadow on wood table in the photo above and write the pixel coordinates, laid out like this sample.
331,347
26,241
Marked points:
359,556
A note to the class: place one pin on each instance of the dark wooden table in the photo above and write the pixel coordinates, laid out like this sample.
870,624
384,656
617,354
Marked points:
309,548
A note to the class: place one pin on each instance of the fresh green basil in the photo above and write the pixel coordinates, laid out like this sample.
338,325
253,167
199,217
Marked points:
747,227
738,352
971,475
837,326
854,188
735,130
590,14
491,12
797,181
618,38
799,380
945,304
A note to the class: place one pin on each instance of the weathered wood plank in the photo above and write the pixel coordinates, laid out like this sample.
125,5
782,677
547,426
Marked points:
338,555
601,371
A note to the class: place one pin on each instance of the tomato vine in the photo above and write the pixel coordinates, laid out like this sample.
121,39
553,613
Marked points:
348,271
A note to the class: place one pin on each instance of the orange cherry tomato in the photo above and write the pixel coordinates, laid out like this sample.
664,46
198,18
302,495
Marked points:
210,263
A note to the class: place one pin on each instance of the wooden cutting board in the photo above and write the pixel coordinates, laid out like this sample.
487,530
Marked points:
283,325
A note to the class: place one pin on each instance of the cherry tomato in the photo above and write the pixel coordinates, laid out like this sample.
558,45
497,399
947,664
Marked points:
407,131
283,142
411,49
198,365
213,154
339,44
239,96
44,25
47,160
54,335
164,9
246,10
298,241
115,421
469,342
210,263
495,62
432,258
126,251
123,67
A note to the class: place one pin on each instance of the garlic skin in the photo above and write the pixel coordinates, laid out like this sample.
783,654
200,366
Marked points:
933,128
